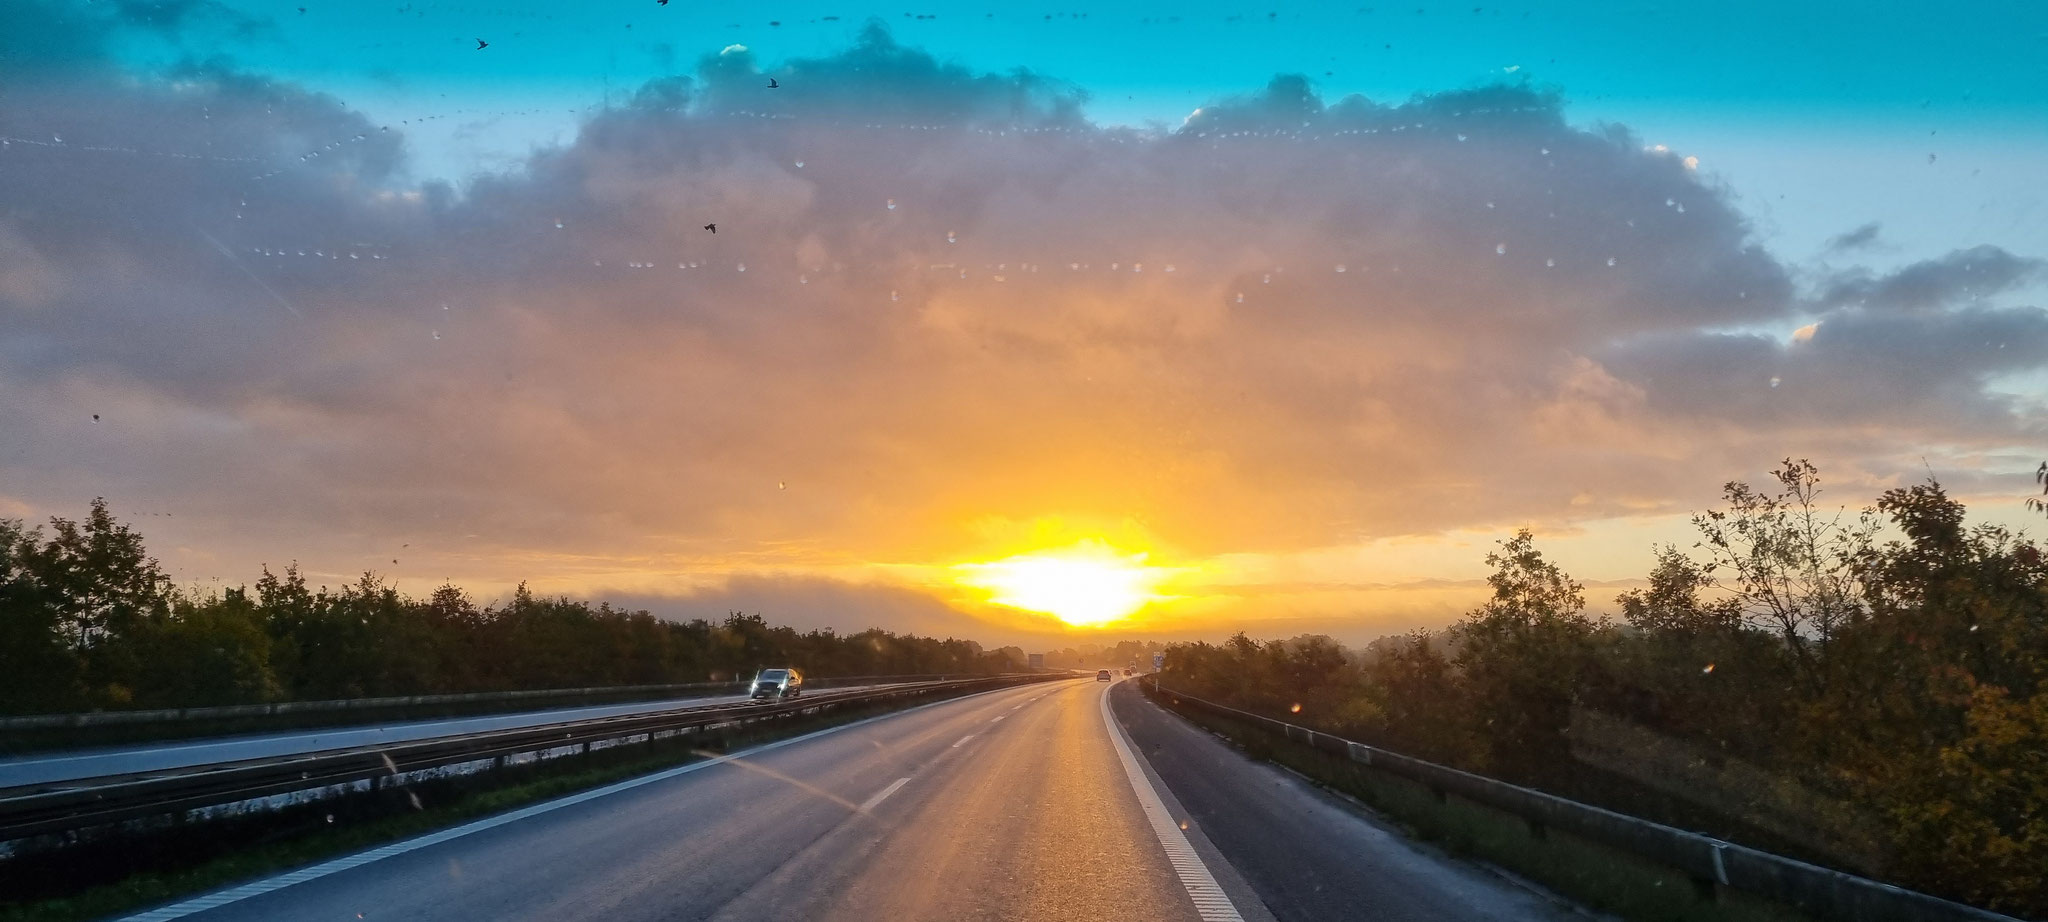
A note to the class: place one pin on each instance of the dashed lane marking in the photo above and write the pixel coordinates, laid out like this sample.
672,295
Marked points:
883,794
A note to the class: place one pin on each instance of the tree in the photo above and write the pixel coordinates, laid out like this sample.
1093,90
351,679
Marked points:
42,666
1672,602
1789,564
2036,503
1522,655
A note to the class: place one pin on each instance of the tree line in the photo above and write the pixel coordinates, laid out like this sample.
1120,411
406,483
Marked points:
1865,688
88,620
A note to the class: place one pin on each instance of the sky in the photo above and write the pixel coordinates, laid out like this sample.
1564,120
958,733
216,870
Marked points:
1293,309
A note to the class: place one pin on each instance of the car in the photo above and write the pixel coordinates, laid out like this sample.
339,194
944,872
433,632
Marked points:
776,684
1101,675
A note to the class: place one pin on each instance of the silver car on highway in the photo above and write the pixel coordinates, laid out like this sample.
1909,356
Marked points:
777,684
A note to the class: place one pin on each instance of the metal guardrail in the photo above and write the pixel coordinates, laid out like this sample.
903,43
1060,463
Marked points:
66,806
1811,888
239,711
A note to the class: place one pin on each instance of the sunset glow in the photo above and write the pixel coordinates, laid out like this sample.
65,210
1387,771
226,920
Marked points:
1085,585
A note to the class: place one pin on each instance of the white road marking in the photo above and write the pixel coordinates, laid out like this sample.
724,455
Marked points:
999,717
883,794
1211,903
221,898
963,741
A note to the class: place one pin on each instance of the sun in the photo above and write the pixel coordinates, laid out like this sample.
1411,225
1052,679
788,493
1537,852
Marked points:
1086,584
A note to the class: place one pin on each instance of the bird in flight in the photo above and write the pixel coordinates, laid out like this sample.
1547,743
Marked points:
711,227
773,85
660,2
481,44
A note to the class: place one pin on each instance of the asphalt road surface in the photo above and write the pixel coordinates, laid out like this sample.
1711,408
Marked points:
1022,804
36,768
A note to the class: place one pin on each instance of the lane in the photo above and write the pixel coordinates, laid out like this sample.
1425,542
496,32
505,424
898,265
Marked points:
1306,853
43,767
943,812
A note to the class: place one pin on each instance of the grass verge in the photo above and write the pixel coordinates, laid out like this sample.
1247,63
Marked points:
1592,874
91,882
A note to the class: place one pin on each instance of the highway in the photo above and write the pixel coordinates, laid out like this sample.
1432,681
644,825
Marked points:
1024,803
40,767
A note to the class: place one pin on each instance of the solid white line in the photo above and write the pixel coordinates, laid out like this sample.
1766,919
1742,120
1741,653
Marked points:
1211,903
883,794
258,888
963,741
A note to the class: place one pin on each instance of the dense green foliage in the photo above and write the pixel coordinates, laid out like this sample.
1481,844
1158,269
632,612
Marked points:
1876,681
89,620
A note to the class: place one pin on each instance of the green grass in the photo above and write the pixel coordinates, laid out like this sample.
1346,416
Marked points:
279,843
1596,876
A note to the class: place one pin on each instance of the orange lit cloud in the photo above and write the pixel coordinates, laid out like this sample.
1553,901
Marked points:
941,310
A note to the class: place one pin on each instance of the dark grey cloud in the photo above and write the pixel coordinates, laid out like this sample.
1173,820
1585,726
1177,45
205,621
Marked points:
1856,239
812,603
1972,274
1923,377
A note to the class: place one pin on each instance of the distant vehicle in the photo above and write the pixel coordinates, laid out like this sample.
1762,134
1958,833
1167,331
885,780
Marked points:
776,684
1101,675
1127,672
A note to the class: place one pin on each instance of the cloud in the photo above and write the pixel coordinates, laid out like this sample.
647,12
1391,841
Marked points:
1857,239
937,299
813,603
171,17
1973,274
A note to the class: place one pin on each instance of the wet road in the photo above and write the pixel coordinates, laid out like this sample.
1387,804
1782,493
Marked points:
1030,803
